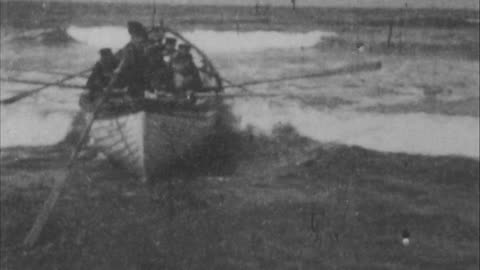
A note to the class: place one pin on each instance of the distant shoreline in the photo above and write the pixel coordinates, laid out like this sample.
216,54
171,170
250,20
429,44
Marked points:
285,4
25,13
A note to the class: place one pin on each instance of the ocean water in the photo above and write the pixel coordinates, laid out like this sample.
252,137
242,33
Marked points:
212,42
329,110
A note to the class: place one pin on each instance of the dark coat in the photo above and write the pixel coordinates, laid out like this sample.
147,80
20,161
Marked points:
159,74
101,74
132,68
186,75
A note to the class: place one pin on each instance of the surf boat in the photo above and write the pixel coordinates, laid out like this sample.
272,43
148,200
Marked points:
146,136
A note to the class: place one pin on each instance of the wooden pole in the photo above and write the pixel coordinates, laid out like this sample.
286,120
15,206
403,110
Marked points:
59,183
154,13
390,31
23,95
369,66
51,72
404,27
237,24
399,21
65,85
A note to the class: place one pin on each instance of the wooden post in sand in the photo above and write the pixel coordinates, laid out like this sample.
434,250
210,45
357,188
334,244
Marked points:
237,24
390,31
400,33
257,8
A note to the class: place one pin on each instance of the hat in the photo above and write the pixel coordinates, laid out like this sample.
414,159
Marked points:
105,52
136,28
170,40
156,33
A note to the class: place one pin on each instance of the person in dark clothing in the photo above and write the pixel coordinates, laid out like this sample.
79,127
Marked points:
185,73
170,50
159,74
208,78
131,70
156,36
101,73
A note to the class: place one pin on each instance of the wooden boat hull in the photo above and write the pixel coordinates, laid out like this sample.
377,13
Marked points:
145,143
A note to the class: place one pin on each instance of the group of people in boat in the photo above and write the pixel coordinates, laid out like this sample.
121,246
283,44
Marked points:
149,62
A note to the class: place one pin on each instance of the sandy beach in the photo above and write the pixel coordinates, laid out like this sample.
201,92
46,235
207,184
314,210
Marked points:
329,175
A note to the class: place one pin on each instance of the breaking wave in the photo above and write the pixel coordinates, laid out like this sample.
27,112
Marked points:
43,119
105,36
46,118
31,126
210,41
415,133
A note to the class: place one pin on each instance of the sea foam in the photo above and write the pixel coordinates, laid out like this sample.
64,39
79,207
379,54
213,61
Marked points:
46,117
415,133
211,41
33,126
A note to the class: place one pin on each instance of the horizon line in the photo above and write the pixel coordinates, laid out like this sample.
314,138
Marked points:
284,3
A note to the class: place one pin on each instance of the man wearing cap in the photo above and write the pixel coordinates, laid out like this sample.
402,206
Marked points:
101,73
133,62
169,51
158,73
185,74
156,35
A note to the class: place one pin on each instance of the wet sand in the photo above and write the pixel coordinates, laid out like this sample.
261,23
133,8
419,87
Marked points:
281,202
269,197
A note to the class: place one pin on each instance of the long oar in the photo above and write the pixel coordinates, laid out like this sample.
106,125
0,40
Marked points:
23,95
349,69
48,72
368,66
36,82
48,205
59,183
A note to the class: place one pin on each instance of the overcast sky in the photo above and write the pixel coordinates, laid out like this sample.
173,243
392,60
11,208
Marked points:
470,4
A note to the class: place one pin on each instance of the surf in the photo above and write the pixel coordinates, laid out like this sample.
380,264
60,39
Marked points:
413,133
211,41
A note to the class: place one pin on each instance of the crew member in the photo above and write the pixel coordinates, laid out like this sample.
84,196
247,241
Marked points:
133,62
156,36
208,78
170,50
185,74
101,73
158,74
